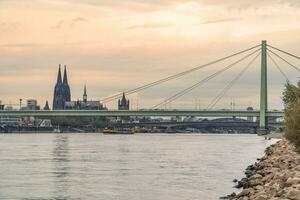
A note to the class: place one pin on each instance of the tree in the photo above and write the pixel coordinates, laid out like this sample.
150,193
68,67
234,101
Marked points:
291,99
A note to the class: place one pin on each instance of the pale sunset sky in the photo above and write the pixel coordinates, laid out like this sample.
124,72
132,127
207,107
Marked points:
116,45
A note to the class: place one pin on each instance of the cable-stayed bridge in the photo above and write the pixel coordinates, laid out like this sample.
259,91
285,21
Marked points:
263,50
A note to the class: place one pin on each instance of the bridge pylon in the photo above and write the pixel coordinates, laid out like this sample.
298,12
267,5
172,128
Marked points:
263,90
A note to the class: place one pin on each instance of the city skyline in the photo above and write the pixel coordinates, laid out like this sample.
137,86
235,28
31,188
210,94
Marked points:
112,48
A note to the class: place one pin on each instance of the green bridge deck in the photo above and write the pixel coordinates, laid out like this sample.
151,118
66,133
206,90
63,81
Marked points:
153,113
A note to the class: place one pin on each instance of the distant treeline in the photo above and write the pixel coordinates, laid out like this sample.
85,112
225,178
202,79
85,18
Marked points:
79,121
291,99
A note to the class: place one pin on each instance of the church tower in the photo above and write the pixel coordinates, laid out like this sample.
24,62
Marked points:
58,99
66,87
123,104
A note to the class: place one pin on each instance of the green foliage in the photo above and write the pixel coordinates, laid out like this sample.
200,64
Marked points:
291,99
292,120
79,121
291,95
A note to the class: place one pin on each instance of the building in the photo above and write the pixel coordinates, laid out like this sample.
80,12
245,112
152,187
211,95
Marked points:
46,107
123,104
1,106
249,118
62,91
43,122
84,104
32,105
10,120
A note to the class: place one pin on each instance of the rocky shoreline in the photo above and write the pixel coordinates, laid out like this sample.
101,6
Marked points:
275,176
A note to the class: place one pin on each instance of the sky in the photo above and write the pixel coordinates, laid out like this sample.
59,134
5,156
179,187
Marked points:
114,46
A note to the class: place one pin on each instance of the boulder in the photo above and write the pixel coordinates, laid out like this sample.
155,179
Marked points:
293,181
259,188
261,197
293,194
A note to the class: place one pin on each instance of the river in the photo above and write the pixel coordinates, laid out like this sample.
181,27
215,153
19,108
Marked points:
124,167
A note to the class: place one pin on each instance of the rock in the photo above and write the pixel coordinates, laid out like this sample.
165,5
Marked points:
259,187
245,192
293,194
225,197
293,181
257,176
249,173
242,183
231,196
268,151
275,177
261,197
297,168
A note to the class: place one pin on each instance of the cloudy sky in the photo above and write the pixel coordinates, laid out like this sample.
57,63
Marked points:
118,45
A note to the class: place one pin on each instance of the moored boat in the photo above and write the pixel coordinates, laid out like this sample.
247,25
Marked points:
122,131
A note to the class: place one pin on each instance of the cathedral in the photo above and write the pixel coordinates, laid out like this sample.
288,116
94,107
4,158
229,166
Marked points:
62,96
62,91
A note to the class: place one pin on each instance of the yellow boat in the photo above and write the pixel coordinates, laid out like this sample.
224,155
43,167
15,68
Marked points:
123,131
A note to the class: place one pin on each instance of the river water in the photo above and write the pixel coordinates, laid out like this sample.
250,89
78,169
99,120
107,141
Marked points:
124,167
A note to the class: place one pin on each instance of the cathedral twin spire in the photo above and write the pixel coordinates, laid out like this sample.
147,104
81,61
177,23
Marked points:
62,91
59,79
65,81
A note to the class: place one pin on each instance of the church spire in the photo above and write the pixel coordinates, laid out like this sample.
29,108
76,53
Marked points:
46,106
84,94
123,98
59,81
65,81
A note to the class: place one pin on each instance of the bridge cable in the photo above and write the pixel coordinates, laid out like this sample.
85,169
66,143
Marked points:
278,67
285,52
230,85
183,92
116,96
284,60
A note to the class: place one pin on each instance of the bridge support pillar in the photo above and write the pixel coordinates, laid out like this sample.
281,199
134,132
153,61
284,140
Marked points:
263,91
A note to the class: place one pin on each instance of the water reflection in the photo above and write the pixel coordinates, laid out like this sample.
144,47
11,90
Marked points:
61,166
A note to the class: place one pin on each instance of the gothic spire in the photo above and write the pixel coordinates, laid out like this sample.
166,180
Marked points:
84,94
59,81
123,97
65,81
46,106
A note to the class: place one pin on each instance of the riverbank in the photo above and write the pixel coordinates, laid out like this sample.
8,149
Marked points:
275,176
